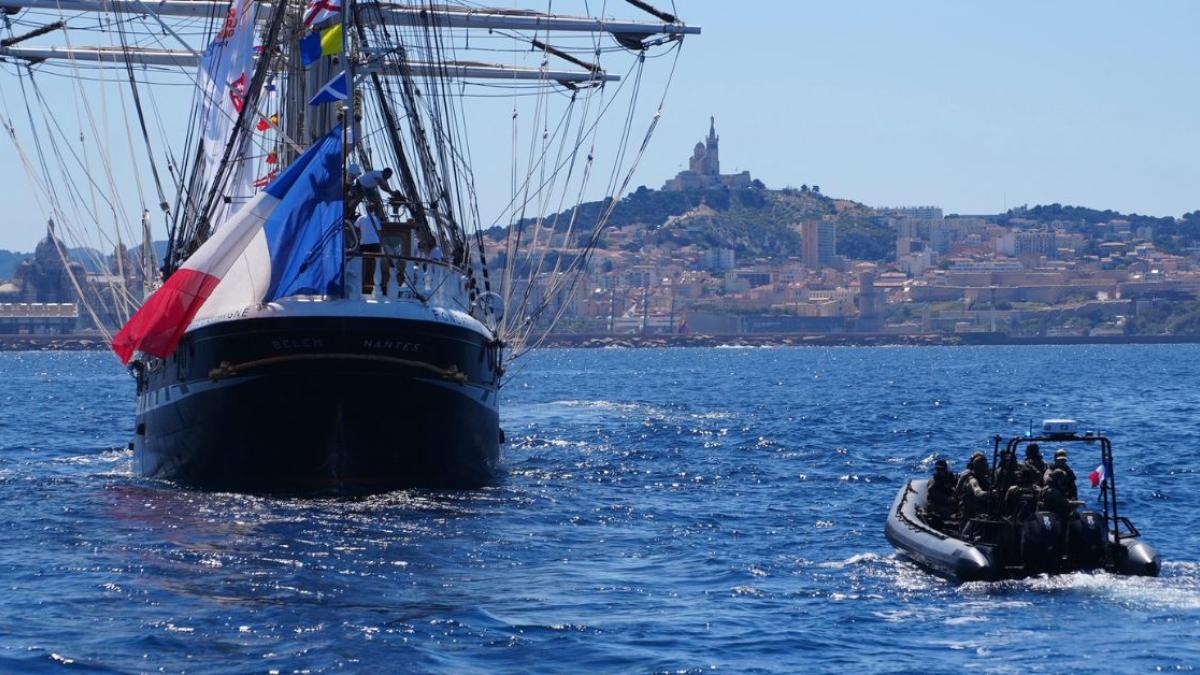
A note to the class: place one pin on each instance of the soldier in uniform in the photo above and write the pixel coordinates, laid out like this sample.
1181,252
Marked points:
971,493
1034,465
1006,473
1054,496
1060,464
939,499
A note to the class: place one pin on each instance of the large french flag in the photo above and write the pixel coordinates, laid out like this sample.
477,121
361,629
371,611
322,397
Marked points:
286,241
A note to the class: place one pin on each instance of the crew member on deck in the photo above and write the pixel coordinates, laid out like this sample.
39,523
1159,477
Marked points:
368,236
372,182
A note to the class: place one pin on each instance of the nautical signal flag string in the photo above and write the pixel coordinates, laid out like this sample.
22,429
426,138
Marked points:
265,123
321,43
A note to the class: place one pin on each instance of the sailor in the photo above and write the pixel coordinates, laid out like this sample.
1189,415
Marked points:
372,181
368,238
939,499
1034,467
1060,463
971,493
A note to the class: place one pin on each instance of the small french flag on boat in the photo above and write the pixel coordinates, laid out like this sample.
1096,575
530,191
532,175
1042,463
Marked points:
286,241
1100,474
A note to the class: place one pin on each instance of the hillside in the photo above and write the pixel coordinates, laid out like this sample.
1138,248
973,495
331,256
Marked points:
754,222
1169,234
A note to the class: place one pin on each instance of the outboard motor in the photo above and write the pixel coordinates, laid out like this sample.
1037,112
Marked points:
1041,541
1085,541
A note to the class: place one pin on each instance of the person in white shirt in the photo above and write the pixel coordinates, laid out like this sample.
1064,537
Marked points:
373,181
368,243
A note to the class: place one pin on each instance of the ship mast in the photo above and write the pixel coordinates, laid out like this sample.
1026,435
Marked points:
351,124
411,70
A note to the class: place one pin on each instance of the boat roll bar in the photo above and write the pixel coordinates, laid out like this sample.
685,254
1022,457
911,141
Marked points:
1108,486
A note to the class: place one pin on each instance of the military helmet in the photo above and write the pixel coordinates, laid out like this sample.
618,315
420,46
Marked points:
979,462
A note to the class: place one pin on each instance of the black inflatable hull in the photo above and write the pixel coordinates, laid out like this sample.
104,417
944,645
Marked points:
947,556
966,561
319,405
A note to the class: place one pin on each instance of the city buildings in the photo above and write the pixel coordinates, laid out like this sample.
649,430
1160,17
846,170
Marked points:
819,243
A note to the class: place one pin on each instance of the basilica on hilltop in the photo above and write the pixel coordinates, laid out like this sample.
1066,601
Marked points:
704,168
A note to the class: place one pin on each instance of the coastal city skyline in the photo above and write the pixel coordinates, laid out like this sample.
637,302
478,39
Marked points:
634,336
974,109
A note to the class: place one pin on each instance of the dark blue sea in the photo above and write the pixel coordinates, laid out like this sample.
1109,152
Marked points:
679,510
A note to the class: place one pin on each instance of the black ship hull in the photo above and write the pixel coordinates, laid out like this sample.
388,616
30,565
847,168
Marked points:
330,405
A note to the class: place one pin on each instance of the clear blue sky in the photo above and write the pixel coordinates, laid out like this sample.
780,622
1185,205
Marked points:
949,102
965,105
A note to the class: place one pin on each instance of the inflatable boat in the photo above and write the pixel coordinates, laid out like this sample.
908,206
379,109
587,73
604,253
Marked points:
999,544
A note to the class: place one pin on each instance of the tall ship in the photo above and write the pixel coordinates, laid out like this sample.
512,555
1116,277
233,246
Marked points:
371,211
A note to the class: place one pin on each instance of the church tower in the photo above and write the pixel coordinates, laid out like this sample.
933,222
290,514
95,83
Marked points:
712,163
704,168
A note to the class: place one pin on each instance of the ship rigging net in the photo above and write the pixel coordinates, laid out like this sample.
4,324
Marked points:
137,122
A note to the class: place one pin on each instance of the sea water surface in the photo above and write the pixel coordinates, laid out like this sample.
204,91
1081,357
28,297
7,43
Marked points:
662,510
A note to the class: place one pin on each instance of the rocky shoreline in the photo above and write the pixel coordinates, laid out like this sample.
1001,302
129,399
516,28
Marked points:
851,340
52,343
18,343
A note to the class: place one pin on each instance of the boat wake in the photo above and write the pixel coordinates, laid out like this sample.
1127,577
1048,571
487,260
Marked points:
1177,589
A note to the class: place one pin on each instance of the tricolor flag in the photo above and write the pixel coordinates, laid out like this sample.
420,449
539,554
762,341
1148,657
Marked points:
320,10
286,241
317,44
334,90
1100,474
